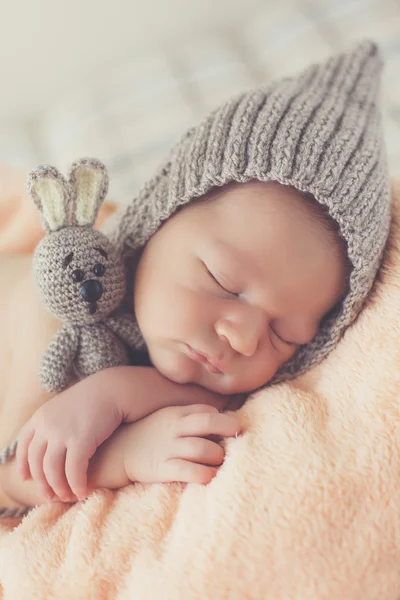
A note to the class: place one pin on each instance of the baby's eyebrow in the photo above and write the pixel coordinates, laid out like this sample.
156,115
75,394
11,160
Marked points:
102,252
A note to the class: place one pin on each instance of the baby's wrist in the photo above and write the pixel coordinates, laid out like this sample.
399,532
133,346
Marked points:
108,466
102,389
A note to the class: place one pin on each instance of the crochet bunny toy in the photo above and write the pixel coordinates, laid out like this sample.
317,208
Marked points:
80,275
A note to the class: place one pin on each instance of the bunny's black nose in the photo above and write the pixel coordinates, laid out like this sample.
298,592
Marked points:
91,290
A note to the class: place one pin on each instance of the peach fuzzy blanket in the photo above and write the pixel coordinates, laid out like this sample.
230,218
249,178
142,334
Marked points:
306,505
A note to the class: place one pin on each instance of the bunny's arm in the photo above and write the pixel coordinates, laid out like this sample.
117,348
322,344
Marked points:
125,327
56,364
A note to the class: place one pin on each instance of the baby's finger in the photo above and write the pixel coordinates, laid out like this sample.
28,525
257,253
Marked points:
199,450
36,452
205,424
197,408
24,440
178,469
76,466
54,470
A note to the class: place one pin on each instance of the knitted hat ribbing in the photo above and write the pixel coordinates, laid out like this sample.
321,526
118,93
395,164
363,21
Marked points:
319,132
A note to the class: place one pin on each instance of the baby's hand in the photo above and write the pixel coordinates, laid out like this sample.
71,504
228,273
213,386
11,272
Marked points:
173,444
55,446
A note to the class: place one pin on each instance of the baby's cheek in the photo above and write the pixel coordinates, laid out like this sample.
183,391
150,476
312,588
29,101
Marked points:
160,313
174,365
256,373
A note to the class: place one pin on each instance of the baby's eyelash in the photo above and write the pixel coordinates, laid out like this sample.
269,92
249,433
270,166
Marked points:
282,339
218,282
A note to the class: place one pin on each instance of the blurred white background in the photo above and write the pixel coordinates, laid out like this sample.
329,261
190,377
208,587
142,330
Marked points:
53,45
122,79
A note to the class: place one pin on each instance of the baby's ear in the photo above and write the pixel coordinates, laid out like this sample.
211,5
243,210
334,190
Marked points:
88,181
51,194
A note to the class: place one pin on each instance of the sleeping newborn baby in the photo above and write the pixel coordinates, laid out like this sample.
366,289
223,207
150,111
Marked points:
250,252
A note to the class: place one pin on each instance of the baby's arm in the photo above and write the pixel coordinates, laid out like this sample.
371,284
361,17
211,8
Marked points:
138,391
56,444
168,445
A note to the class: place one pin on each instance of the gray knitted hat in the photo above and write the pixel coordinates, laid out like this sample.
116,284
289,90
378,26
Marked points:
319,132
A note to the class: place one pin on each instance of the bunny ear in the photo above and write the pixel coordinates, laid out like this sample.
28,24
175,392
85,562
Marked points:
51,194
88,180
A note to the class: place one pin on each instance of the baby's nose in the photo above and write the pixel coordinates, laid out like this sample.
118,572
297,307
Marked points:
91,290
242,337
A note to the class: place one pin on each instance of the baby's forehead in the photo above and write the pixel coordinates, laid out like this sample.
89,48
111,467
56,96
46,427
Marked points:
267,219
256,201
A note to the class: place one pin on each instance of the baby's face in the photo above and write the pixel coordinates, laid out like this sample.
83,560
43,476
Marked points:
228,288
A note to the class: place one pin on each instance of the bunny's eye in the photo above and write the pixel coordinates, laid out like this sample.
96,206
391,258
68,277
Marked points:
99,269
77,275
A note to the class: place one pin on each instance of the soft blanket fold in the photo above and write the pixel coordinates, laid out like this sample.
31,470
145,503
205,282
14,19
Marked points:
306,505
